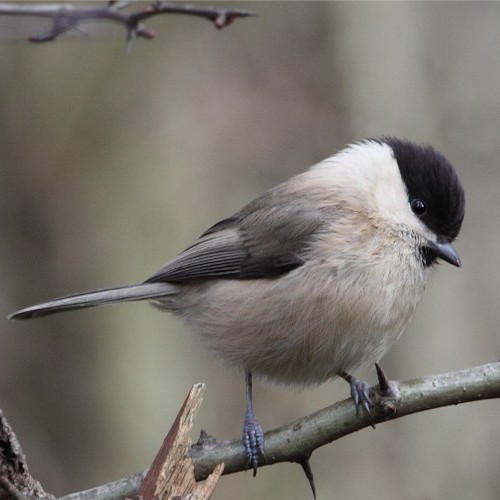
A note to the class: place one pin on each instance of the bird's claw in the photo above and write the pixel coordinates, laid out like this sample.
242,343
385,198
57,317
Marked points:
253,441
360,395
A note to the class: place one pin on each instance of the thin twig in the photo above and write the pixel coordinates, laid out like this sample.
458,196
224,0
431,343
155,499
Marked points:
67,17
302,437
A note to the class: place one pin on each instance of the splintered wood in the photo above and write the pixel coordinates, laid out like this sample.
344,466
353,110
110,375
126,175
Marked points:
171,475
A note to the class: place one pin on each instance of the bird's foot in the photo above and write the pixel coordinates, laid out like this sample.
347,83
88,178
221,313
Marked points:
360,393
253,440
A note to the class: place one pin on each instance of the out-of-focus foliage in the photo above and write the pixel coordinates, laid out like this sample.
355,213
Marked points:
111,164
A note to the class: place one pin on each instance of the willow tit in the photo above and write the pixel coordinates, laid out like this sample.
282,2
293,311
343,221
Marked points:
316,277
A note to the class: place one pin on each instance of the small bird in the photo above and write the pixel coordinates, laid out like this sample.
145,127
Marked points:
315,278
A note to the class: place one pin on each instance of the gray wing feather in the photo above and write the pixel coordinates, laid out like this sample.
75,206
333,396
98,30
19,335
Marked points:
266,238
214,255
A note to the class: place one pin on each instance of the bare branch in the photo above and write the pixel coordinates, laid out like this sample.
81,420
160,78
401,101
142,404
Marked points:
293,442
123,488
68,17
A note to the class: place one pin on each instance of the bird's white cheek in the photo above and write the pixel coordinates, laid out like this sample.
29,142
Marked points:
391,201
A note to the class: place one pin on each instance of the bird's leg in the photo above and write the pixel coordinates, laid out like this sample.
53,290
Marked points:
387,394
359,392
253,437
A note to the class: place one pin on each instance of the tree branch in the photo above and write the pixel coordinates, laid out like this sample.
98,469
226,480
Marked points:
300,438
293,442
67,17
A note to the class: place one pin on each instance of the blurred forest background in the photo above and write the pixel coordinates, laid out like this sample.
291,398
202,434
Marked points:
112,163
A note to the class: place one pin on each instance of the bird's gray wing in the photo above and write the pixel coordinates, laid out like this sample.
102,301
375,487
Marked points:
267,238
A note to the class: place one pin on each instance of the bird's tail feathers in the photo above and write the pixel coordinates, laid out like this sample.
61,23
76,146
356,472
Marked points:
145,291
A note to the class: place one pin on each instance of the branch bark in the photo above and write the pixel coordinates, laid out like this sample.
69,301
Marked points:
67,17
297,440
294,442
15,480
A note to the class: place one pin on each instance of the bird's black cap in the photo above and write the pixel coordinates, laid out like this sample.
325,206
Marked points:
430,177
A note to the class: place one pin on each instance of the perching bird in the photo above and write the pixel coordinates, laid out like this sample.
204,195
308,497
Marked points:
316,277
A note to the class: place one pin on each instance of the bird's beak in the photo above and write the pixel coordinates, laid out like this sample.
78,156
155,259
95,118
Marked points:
445,251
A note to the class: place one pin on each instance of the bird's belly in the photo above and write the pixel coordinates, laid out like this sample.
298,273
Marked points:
300,335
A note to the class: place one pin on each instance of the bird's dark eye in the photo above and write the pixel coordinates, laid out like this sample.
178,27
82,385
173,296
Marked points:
418,206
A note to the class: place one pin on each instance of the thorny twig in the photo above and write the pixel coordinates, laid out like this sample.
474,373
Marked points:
67,17
295,442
